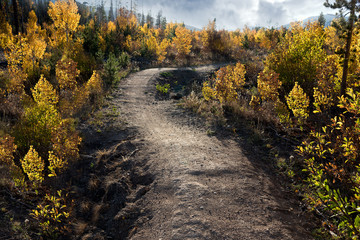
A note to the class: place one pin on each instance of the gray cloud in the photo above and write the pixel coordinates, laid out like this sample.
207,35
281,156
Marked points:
271,13
232,14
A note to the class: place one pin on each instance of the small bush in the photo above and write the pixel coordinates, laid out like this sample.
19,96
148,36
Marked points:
52,215
124,60
163,89
111,68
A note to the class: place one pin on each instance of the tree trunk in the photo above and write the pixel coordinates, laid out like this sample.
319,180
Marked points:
348,48
16,16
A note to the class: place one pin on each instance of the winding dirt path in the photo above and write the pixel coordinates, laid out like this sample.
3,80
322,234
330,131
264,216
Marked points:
204,187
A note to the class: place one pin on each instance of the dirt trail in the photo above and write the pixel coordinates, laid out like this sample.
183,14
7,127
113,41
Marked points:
204,187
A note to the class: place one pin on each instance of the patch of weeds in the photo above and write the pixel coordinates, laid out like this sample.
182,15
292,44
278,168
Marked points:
163,89
255,139
113,113
191,102
52,215
166,74
210,132
109,97
97,121
20,230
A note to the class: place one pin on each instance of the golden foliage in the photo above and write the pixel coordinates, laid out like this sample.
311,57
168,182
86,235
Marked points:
161,50
298,56
254,102
182,41
44,93
151,43
7,149
6,36
66,20
111,27
328,83
52,214
126,19
66,74
269,85
33,166
17,79
207,91
65,147
15,54
228,81
36,44
298,103
282,112
94,85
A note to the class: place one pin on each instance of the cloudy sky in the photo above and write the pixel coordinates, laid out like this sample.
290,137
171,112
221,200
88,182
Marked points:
233,14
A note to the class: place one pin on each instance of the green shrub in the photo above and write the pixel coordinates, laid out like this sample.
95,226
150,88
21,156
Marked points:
111,68
124,60
163,89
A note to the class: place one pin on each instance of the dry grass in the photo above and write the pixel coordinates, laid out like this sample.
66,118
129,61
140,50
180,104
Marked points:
94,183
210,110
96,213
85,206
80,228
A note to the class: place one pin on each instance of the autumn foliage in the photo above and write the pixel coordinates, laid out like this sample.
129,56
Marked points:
60,65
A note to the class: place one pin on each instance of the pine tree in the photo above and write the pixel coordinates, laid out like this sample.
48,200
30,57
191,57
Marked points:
158,19
322,19
142,21
111,12
149,20
16,16
352,7
163,23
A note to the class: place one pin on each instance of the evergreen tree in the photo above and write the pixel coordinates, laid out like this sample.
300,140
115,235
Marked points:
163,23
158,19
41,8
149,20
16,16
100,13
352,7
111,12
322,19
142,21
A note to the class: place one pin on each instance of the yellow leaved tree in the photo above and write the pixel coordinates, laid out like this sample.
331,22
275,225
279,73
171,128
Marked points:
33,165
228,81
161,50
65,17
36,44
182,41
269,85
298,103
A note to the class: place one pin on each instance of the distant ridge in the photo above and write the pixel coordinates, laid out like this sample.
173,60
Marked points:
191,28
328,18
